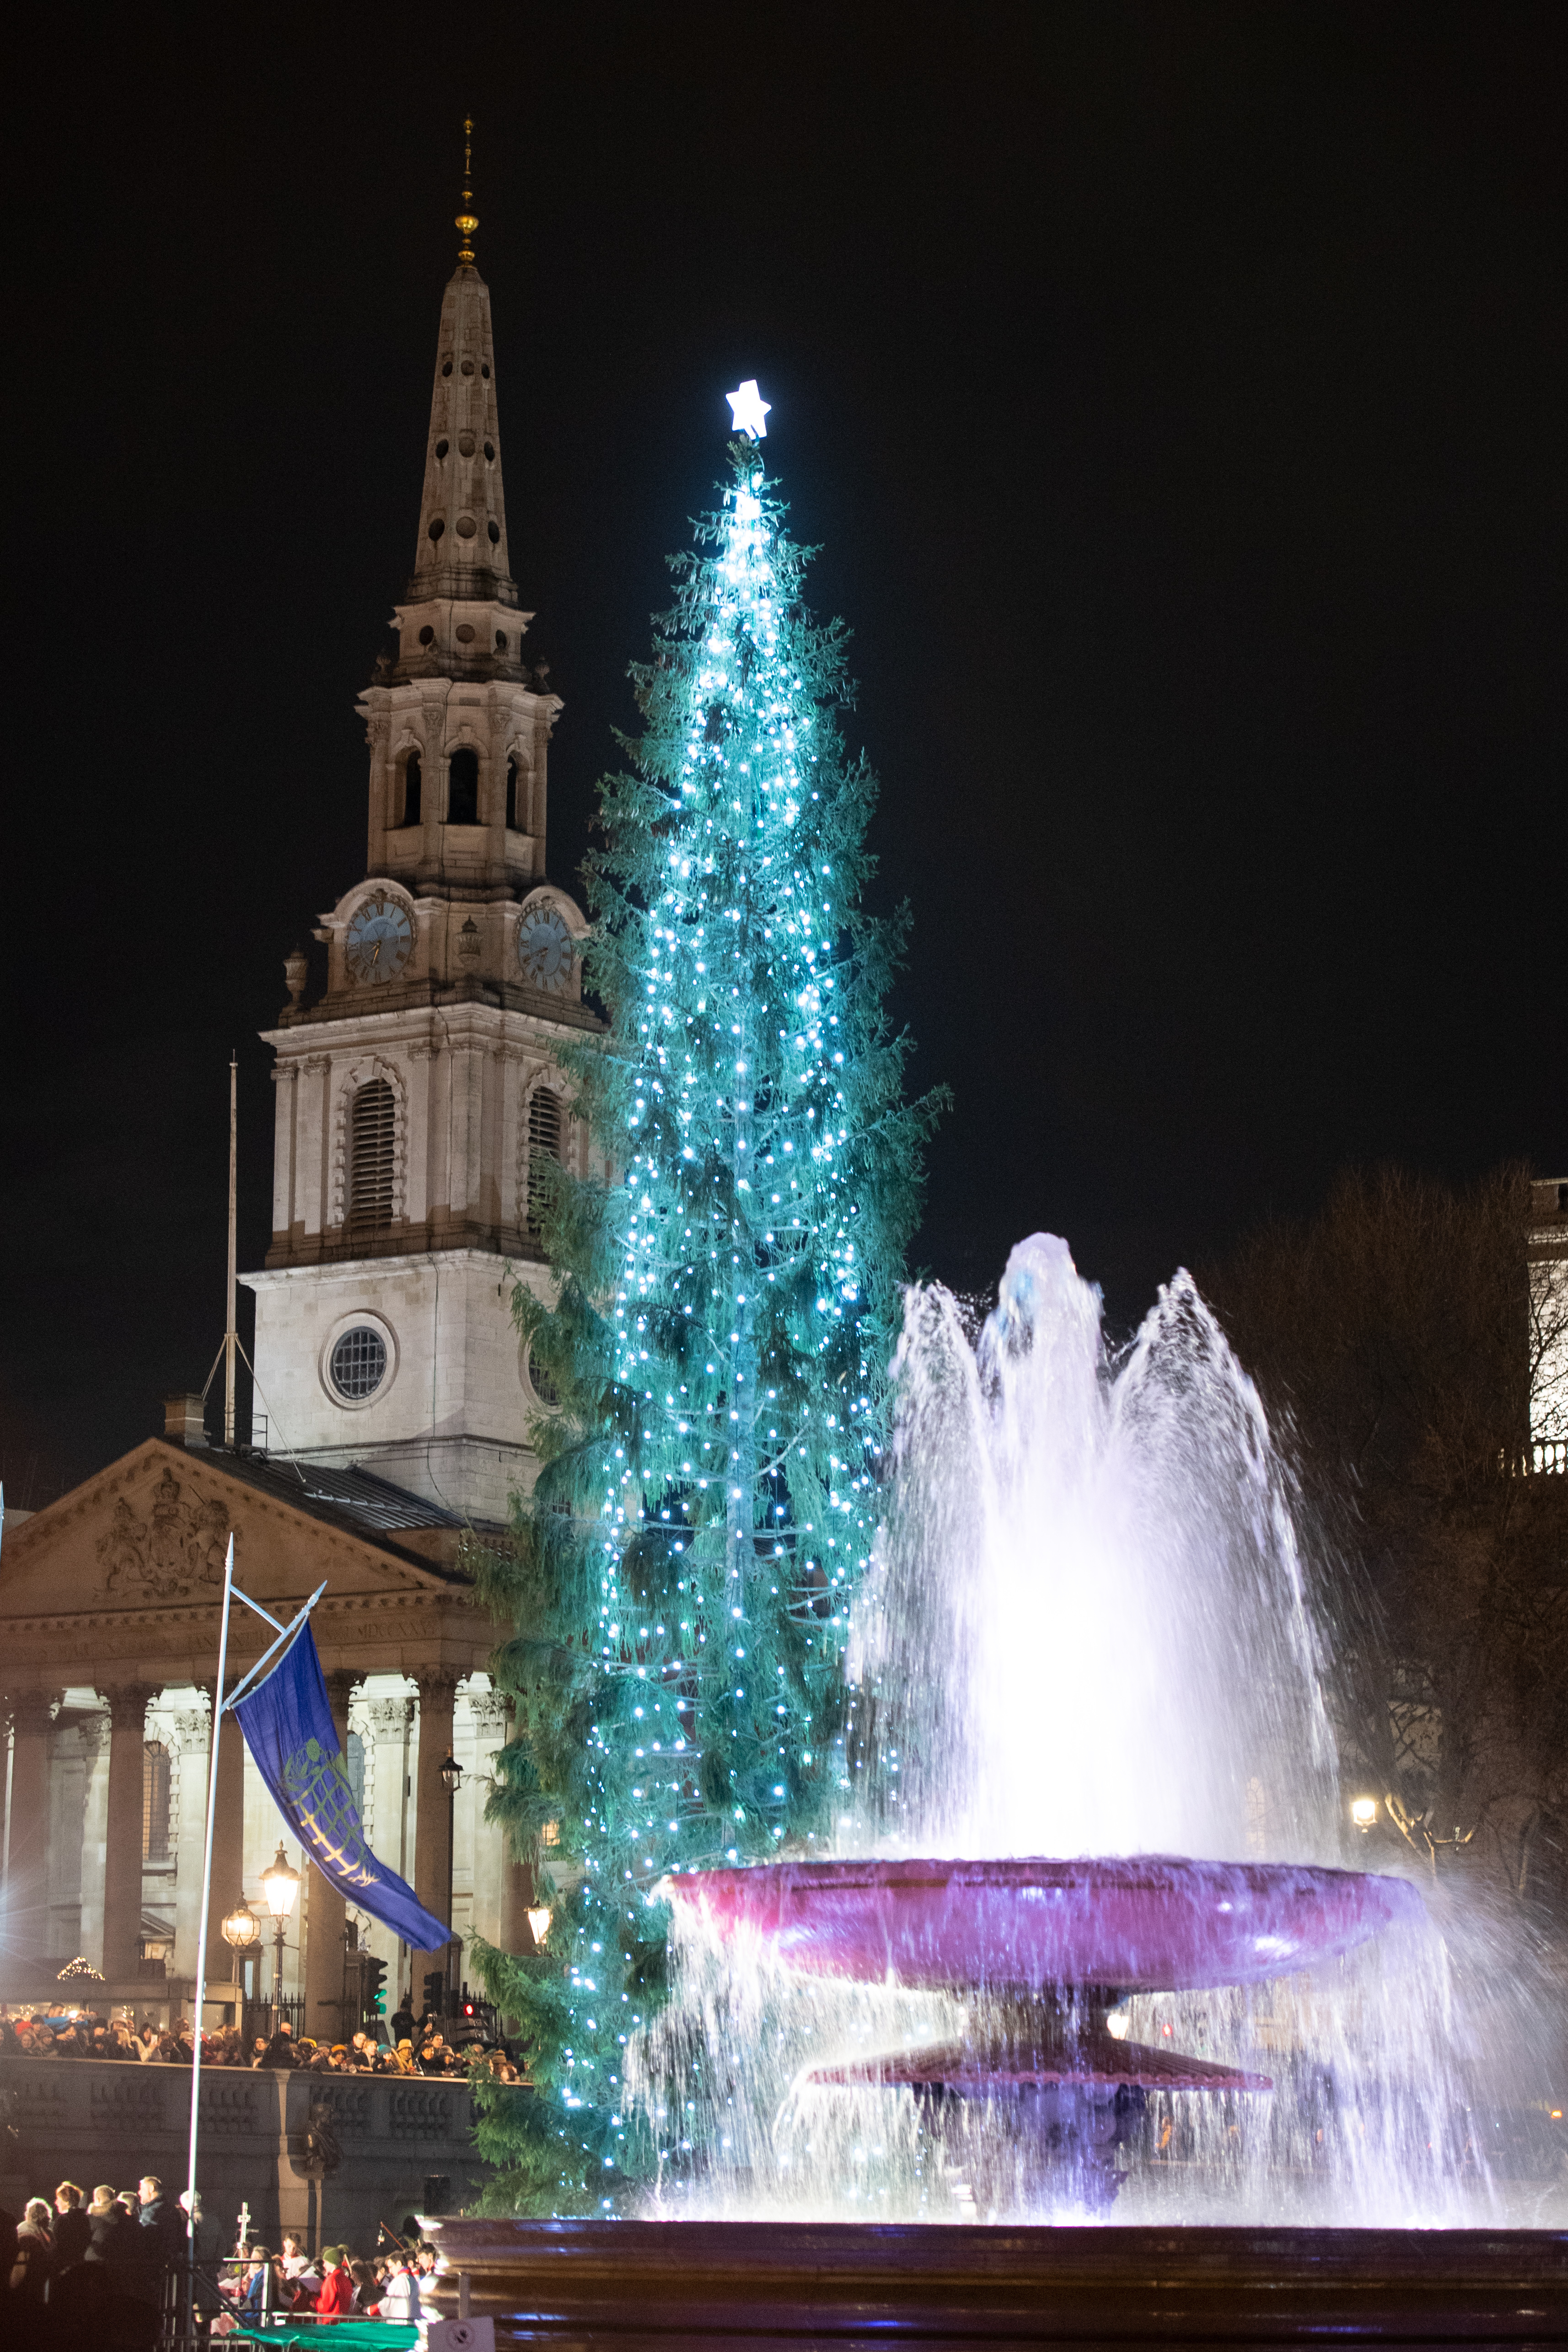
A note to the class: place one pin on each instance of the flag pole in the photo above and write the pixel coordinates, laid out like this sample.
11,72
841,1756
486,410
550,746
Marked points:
202,1946
231,1328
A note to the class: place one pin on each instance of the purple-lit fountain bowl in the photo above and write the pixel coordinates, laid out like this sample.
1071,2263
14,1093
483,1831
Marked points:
1150,1923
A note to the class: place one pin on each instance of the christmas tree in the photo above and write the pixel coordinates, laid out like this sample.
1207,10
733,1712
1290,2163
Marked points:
682,1576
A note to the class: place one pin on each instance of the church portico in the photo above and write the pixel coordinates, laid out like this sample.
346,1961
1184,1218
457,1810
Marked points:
111,1612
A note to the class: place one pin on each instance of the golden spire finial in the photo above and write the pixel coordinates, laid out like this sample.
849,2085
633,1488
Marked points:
468,219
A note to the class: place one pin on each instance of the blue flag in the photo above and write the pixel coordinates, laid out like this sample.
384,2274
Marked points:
289,1728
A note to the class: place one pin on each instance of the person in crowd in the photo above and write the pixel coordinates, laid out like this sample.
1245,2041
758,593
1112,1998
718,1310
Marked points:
163,2224
303,2291
293,2256
400,2292
111,2239
146,2042
263,2285
403,2021
336,2299
33,2263
208,2236
367,2286
73,2231
279,2050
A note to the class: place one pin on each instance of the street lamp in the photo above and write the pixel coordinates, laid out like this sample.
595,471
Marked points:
280,1885
241,1932
1364,1812
451,1781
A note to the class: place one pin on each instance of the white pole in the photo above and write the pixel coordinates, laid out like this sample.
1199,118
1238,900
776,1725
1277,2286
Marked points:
231,1332
202,1935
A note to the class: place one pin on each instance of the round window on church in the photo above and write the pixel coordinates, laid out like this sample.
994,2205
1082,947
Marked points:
358,1364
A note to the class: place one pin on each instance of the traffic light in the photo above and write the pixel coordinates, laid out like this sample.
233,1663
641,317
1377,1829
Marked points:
375,1988
436,1992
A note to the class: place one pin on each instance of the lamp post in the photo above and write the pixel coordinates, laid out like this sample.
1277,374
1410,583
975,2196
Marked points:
451,1781
241,1932
280,1885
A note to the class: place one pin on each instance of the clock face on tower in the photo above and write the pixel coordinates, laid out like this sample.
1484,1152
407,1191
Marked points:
380,939
544,949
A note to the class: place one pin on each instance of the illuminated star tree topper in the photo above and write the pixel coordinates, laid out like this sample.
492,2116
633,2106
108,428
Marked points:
749,411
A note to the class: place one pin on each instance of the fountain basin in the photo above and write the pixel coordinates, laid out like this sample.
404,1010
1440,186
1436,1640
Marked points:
777,2285
1148,1922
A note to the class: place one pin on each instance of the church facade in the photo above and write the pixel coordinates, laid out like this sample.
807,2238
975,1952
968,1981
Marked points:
417,1096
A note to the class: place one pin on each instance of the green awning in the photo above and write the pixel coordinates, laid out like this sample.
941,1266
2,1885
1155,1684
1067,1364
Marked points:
341,2334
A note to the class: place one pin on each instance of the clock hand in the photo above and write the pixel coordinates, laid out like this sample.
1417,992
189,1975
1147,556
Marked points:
377,951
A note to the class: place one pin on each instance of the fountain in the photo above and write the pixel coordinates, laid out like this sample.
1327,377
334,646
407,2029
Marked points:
1056,1946
1089,1633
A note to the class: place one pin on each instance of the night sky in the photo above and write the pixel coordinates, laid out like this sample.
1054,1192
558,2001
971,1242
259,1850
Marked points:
1177,394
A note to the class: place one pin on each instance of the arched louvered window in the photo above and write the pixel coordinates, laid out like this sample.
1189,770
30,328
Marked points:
373,1141
511,795
543,1144
463,789
154,1802
408,814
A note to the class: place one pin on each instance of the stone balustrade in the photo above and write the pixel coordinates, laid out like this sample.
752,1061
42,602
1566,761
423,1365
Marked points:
328,2155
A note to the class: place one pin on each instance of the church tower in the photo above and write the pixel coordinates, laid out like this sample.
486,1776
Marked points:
417,1096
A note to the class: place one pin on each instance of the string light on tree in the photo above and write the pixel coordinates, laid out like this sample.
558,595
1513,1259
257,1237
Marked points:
685,1571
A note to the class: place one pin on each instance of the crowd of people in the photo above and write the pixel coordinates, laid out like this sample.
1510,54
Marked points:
130,2246
413,2046
335,2284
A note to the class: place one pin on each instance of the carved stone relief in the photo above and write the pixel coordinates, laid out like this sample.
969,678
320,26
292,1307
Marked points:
178,1547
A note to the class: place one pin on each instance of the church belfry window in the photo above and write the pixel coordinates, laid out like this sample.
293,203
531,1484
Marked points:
409,784
543,1144
463,789
372,1143
154,1802
511,795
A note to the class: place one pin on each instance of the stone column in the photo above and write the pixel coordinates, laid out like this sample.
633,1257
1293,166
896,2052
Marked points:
385,1733
27,1861
192,1734
122,1846
92,1735
432,1839
228,1843
487,1714
323,1922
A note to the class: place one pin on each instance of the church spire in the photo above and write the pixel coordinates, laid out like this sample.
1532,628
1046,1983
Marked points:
461,550
467,221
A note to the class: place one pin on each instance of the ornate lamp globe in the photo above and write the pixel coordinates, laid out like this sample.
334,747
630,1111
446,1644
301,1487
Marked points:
241,1928
279,1885
451,1776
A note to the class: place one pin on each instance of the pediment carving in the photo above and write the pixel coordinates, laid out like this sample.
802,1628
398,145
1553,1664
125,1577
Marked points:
176,1550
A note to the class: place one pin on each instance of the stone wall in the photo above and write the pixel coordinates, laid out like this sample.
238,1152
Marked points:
330,2156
